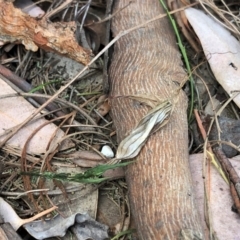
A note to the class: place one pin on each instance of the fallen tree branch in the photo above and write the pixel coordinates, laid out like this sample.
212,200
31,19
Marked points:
147,62
16,26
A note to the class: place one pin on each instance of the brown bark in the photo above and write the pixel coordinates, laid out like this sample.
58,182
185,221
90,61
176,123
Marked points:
148,62
57,37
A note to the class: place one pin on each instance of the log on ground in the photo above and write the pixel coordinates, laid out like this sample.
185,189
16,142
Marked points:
147,62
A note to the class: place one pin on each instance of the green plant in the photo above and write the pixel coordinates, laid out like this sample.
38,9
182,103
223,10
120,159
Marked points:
123,233
93,175
41,86
185,58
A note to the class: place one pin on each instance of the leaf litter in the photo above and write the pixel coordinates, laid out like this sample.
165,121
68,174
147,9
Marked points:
82,99
218,122
91,130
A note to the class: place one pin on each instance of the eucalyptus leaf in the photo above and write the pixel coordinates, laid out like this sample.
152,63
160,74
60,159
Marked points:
221,49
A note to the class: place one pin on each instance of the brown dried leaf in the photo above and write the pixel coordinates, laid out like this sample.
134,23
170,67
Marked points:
95,30
82,225
104,108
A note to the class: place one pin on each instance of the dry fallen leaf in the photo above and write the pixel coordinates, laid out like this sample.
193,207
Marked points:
8,215
221,49
133,143
94,28
13,111
225,222
83,226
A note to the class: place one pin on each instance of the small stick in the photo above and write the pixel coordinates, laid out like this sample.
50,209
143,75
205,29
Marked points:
110,15
39,215
235,197
226,166
202,130
224,161
62,6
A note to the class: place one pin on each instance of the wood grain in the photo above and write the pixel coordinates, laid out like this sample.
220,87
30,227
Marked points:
16,26
147,61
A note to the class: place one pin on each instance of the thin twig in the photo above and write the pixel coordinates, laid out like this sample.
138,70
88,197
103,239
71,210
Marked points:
235,196
36,192
235,179
108,17
39,215
58,9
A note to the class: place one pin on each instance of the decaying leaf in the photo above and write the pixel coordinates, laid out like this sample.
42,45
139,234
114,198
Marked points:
8,215
221,49
80,201
103,108
155,119
83,200
94,28
84,227
13,111
225,222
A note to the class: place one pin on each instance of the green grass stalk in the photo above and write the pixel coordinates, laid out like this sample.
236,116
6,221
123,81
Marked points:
184,54
92,175
41,86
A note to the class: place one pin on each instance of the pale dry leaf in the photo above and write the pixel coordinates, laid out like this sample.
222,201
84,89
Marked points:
133,143
221,49
13,111
84,158
83,226
81,201
225,222
9,215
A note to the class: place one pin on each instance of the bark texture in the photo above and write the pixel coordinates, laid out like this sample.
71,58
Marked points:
148,62
16,26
